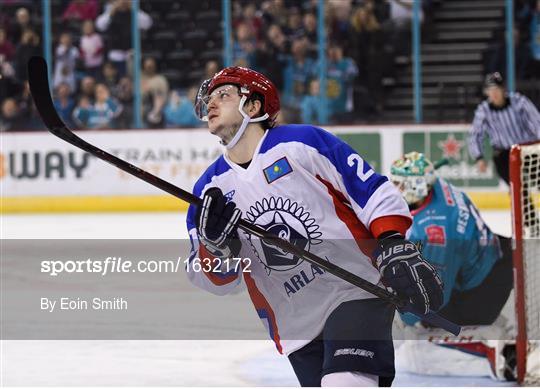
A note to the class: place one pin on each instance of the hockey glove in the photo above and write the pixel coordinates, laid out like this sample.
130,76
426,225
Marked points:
406,272
217,223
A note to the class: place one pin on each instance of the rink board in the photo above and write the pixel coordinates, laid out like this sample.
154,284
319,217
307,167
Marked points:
46,204
41,173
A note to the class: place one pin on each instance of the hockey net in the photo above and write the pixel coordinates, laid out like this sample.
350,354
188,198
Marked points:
525,189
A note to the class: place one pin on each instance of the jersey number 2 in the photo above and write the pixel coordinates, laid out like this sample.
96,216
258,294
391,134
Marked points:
359,167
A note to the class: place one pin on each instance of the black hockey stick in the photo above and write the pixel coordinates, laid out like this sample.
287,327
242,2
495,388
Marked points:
39,87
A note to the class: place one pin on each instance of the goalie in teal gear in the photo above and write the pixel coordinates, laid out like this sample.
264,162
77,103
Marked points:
474,264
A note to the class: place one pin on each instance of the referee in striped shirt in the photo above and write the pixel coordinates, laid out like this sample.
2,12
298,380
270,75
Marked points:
507,119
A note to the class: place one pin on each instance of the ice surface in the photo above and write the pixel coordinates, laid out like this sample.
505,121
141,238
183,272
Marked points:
156,363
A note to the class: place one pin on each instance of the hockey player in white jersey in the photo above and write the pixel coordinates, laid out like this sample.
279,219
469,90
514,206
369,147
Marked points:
304,185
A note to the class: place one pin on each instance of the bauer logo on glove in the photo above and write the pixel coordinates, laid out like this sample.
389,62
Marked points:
394,250
407,273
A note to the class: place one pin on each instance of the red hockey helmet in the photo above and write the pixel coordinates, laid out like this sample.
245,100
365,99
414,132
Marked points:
249,81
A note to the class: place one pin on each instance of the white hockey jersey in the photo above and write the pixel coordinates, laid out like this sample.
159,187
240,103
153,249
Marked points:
309,187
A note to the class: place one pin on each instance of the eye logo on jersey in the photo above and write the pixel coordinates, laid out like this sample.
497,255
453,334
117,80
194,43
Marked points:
290,222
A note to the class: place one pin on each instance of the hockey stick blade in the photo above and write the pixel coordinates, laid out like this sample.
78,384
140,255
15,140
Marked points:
39,87
433,319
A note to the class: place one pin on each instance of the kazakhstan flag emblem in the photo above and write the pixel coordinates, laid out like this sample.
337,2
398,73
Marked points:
277,170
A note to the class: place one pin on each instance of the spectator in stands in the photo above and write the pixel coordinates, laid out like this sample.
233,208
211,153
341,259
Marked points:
27,48
363,42
244,44
7,50
64,103
210,69
154,91
79,10
66,56
298,71
109,77
101,114
116,21
274,11
252,19
311,103
340,24
9,86
381,9
91,49
373,58
341,72
294,23
310,32
124,94
22,23
272,56
30,117
236,12
399,27
11,118
87,88
179,111
81,112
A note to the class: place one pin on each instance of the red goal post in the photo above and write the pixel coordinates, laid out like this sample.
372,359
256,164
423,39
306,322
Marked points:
525,192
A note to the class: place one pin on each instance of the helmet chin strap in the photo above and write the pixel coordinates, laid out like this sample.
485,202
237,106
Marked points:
244,124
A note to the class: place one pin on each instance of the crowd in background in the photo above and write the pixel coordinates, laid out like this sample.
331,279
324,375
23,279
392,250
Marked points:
528,30
526,43
92,71
363,38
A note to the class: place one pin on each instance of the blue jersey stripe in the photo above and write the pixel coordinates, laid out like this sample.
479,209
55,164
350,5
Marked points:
336,151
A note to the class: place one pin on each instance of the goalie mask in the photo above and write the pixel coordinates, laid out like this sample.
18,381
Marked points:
414,176
248,83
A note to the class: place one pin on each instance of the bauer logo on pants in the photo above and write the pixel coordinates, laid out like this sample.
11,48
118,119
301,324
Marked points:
354,351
